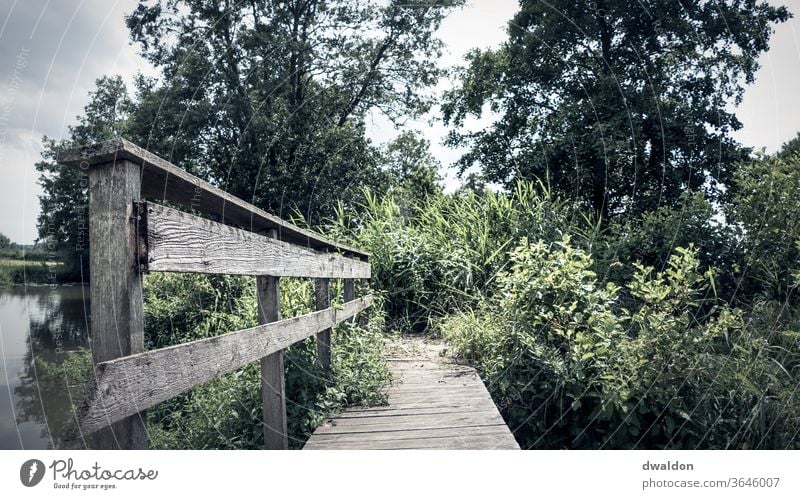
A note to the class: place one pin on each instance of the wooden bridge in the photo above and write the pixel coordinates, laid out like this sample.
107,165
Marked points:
432,403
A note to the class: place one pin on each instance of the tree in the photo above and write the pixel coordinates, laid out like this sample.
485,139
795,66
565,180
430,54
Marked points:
63,219
267,98
790,149
622,104
767,202
5,242
412,167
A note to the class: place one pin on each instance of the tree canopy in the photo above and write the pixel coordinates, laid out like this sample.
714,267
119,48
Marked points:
622,104
63,217
268,98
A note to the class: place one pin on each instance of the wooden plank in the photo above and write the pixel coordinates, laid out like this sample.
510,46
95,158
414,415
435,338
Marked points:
354,416
461,441
329,438
422,408
434,386
273,384
127,385
354,440
474,415
452,394
432,404
181,242
116,290
322,300
359,441
162,180
423,423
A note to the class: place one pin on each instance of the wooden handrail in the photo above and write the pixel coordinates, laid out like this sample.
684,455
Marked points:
174,241
161,180
128,385
129,236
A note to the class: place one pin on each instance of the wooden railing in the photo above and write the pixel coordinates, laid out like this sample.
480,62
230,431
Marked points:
129,236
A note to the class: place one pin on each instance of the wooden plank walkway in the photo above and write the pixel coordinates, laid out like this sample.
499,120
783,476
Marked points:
433,404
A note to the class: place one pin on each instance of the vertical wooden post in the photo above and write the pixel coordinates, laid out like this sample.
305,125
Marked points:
115,284
349,290
322,301
273,384
349,293
363,290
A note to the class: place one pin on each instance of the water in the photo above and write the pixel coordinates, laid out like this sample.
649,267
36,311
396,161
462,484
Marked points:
38,326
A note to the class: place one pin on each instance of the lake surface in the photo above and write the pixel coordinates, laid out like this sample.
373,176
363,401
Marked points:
38,327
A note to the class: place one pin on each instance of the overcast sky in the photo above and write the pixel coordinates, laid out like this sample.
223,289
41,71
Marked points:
51,52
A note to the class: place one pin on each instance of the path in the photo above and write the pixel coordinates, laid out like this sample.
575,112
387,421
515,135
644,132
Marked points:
434,403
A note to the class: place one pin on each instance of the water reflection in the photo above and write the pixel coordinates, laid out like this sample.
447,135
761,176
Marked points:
40,328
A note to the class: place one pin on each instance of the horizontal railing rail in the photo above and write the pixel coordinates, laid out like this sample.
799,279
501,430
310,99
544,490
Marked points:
174,241
130,235
161,180
127,385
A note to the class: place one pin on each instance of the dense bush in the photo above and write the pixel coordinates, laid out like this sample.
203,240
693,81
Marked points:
629,334
651,238
570,368
767,204
445,256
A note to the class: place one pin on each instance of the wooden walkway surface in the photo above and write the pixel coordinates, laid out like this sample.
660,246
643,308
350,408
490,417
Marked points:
433,404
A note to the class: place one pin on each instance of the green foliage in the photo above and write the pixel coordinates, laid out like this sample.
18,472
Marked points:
265,99
650,238
413,169
5,242
790,148
226,413
571,368
767,203
270,100
63,221
440,256
24,272
620,104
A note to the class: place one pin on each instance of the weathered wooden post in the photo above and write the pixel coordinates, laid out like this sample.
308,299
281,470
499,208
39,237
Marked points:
322,301
115,283
362,291
349,292
273,385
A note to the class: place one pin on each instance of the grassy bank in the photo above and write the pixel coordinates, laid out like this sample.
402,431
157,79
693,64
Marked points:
18,271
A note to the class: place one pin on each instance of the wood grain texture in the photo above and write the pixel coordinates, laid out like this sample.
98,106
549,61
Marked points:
484,438
273,384
162,180
322,300
115,287
433,404
180,242
127,385
349,291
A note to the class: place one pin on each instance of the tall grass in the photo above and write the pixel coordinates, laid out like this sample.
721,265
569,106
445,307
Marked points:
443,255
615,335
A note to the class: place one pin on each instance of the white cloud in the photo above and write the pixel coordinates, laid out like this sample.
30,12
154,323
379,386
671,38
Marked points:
50,55
67,45
770,111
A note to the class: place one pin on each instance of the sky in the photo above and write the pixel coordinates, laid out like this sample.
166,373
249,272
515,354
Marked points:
51,52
